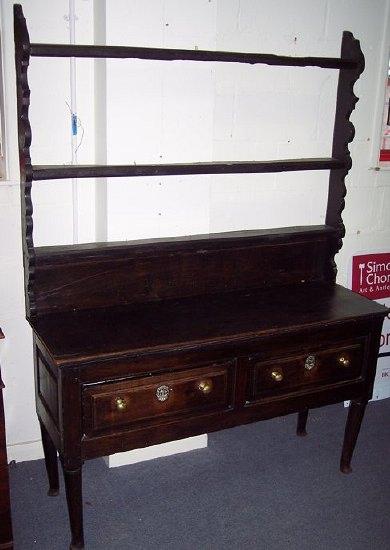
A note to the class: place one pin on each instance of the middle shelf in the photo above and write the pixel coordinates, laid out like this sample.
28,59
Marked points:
47,172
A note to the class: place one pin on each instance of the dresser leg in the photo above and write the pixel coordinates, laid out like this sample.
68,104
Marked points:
73,487
301,425
51,462
352,428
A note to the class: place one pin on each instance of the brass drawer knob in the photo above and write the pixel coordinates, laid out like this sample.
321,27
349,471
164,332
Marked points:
310,362
277,375
344,360
205,386
120,404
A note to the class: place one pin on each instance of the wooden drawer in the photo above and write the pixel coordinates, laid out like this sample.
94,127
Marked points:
154,398
301,370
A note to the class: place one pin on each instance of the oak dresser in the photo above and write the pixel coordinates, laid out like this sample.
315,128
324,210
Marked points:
142,342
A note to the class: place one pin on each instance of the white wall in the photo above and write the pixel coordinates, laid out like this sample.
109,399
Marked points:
159,112
49,83
186,112
179,112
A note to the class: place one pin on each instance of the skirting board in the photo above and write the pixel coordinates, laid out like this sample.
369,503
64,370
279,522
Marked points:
32,450
157,451
20,452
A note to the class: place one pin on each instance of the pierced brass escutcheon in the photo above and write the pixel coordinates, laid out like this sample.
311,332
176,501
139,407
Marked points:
205,386
344,360
310,362
120,403
162,392
277,375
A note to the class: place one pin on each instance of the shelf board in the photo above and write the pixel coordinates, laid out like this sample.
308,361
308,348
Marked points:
85,335
41,172
65,253
167,54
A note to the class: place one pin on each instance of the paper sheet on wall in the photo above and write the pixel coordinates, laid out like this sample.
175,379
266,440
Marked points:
370,277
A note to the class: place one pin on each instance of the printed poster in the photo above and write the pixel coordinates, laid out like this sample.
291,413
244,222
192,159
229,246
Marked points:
371,278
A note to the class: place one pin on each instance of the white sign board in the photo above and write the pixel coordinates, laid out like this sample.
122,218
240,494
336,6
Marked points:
370,277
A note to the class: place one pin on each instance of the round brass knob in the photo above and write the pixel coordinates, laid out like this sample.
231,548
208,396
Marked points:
205,386
277,375
120,403
344,361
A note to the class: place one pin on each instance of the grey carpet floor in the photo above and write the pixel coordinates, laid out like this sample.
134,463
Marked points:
257,486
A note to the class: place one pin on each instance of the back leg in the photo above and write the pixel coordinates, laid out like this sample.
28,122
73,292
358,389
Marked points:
51,462
301,425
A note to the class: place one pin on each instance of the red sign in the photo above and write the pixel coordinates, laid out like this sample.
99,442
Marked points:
371,275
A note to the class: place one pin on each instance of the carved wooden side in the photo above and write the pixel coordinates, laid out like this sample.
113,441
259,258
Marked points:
343,134
22,59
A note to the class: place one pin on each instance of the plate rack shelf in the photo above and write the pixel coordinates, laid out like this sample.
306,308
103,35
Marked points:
350,65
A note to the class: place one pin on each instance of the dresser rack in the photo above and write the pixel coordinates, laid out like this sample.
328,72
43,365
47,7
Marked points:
142,342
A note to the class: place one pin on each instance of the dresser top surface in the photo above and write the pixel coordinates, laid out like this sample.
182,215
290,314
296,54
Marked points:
76,336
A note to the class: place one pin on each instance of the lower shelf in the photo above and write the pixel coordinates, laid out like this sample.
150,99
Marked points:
208,320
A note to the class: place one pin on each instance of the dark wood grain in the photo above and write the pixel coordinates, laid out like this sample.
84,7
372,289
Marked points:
166,54
45,416
196,425
74,492
47,388
164,246
302,421
51,462
136,170
343,134
22,60
249,350
354,421
275,376
73,278
176,324
142,406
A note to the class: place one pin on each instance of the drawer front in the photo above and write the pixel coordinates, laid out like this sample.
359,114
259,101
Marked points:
151,399
316,368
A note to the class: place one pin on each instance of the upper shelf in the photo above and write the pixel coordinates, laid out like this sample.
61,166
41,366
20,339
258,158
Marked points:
167,54
134,170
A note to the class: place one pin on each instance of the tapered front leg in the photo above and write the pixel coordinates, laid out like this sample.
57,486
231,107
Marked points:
302,419
352,428
73,487
51,462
